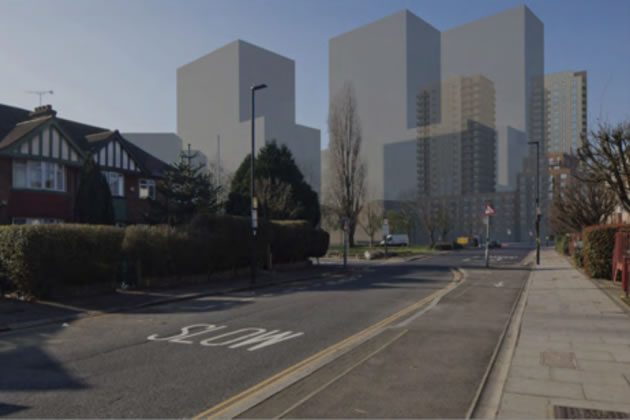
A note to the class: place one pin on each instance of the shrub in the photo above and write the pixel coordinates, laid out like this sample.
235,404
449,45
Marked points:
320,240
599,244
562,244
577,257
40,259
291,241
162,251
443,246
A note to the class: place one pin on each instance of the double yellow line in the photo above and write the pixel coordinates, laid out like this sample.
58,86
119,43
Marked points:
232,402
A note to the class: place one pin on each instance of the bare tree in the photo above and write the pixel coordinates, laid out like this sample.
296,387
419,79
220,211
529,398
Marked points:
276,199
429,221
606,158
346,189
371,222
444,222
579,205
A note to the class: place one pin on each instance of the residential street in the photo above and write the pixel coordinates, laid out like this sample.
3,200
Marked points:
362,345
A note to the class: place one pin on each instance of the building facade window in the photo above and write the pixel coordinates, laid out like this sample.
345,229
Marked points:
116,182
146,189
39,175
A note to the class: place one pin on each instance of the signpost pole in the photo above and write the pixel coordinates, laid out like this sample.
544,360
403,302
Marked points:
487,241
488,211
385,234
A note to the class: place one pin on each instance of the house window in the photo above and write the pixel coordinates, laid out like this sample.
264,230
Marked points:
116,182
146,189
38,175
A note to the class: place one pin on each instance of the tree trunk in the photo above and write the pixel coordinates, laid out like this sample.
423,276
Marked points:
351,229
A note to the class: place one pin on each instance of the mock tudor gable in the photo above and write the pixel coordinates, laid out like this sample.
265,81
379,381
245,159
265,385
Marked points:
110,151
41,138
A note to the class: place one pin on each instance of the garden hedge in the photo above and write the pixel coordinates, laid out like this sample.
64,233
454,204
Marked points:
599,244
218,243
40,259
562,244
37,260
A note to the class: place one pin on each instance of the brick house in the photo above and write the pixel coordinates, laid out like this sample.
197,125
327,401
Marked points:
40,159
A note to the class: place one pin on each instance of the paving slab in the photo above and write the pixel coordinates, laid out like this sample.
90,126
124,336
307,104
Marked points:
573,349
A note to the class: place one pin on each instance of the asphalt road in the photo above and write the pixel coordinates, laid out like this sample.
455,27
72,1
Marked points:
180,359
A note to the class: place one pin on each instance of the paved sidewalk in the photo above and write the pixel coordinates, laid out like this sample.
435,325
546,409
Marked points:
17,314
573,349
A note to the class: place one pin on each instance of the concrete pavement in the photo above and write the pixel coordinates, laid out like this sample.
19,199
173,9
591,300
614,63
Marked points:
573,350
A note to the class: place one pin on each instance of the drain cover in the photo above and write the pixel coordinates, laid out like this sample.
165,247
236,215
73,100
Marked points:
563,412
559,359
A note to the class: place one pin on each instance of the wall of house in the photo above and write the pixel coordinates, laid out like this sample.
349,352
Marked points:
137,208
5,185
34,203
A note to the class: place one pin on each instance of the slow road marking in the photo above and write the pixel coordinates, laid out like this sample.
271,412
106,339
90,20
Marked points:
256,338
278,378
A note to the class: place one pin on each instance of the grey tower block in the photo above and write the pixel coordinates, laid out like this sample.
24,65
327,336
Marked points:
213,106
389,61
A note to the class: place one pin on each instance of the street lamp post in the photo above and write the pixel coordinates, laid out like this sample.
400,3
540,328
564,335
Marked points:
537,200
252,188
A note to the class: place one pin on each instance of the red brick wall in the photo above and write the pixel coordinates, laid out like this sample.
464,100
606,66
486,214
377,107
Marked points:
136,207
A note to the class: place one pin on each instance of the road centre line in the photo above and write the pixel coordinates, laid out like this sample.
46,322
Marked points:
232,402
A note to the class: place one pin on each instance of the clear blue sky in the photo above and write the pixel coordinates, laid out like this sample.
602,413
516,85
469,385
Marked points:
112,62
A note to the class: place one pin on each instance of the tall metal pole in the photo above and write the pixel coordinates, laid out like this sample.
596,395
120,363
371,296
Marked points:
252,188
487,241
218,174
537,200
252,191
537,203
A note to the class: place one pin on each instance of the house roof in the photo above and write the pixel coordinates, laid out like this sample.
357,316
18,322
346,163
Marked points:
21,129
15,123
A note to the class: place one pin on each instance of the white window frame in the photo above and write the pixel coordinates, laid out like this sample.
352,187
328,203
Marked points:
109,175
148,185
29,175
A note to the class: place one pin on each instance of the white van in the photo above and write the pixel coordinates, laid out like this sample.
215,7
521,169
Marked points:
397,239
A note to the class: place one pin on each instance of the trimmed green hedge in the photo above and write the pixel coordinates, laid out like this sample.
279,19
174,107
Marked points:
320,240
599,244
37,260
42,258
562,244
218,243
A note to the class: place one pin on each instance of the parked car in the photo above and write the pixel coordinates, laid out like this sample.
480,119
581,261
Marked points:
494,244
397,239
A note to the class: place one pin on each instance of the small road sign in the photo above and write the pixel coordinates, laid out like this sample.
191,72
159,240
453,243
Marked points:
489,210
385,227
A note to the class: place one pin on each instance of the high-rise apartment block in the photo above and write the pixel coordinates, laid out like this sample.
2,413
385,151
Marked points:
565,116
214,108
446,116
457,137
391,61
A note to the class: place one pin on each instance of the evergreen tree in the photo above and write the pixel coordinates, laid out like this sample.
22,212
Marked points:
185,190
275,168
93,202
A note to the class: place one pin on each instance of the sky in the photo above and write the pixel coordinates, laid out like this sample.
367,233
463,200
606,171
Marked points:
112,63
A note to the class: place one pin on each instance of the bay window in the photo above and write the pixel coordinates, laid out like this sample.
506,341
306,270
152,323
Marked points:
39,175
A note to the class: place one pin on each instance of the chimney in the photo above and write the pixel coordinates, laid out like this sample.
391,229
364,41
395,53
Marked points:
42,111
